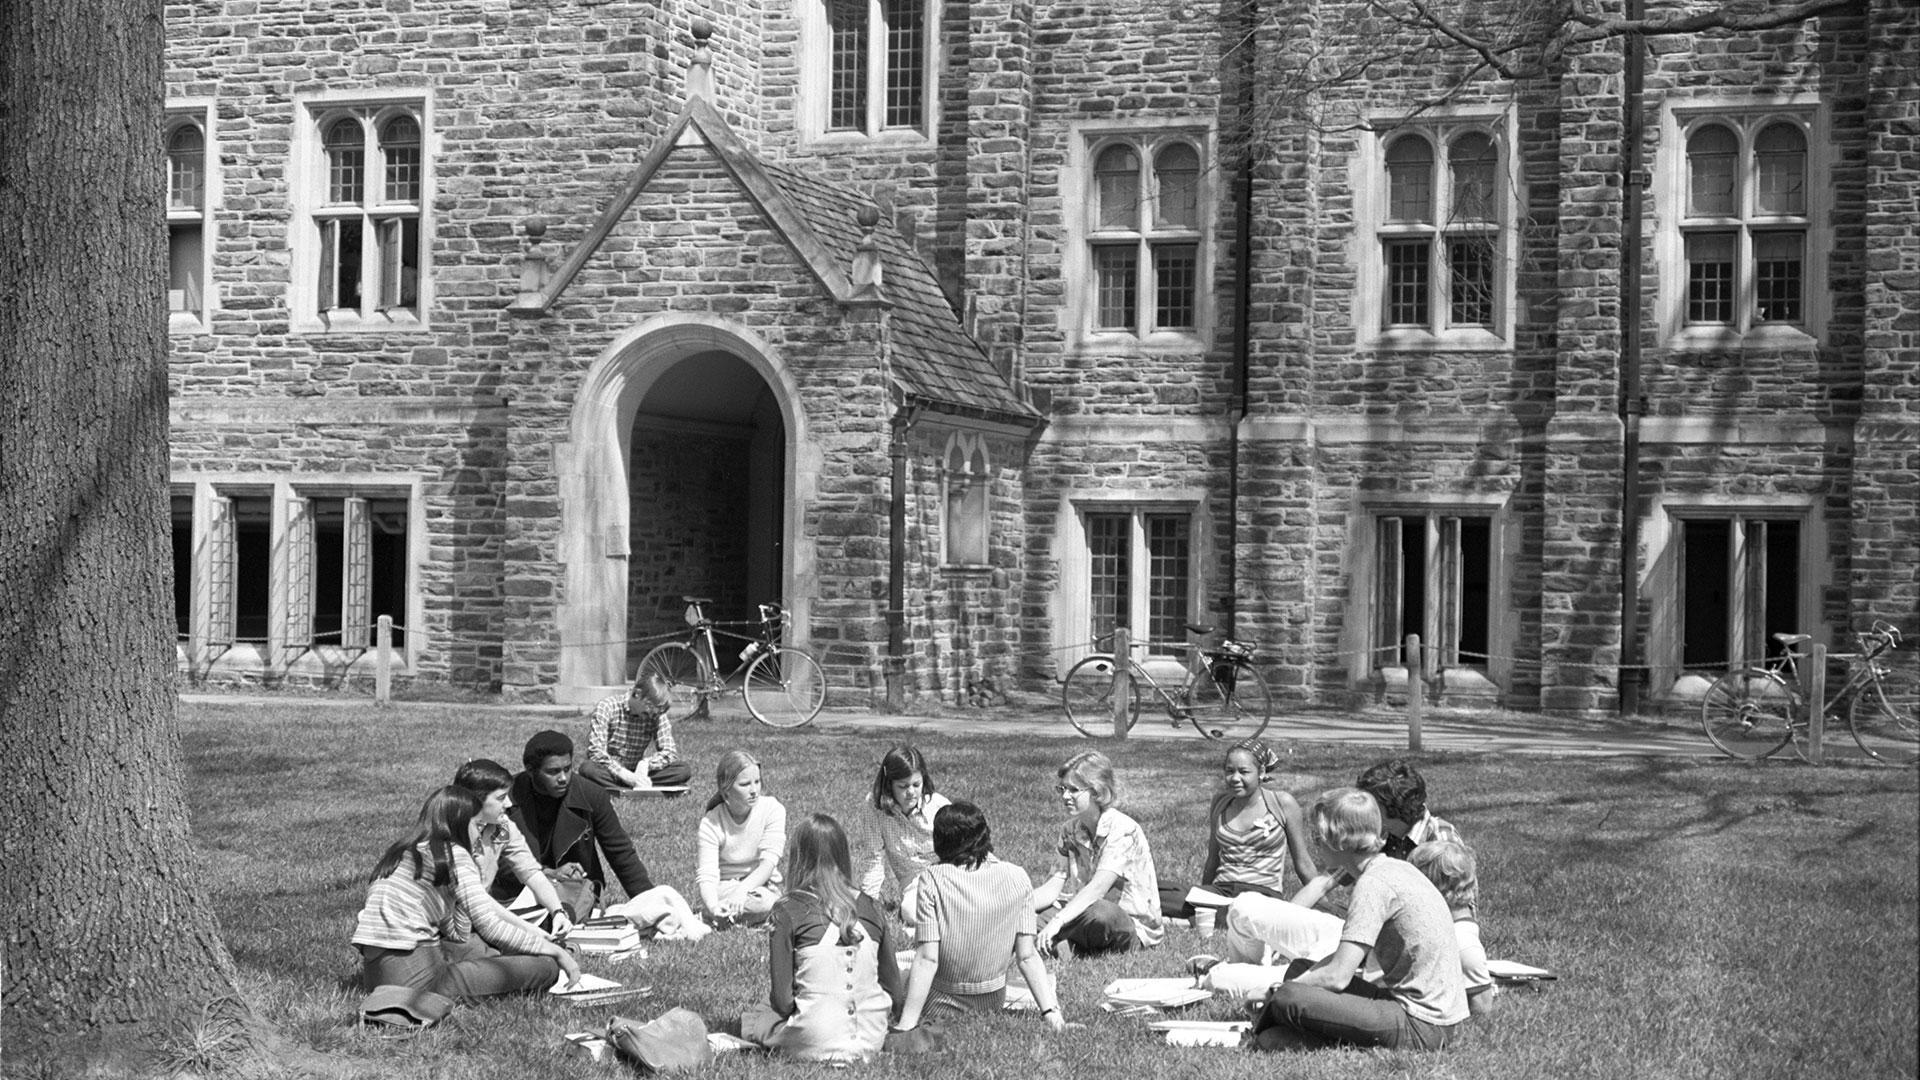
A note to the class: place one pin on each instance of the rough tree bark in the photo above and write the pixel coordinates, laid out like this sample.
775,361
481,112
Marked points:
110,939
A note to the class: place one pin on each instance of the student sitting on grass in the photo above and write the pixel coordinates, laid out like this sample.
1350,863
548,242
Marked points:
1108,893
497,840
833,979
1397,917
1264,930
738,845
425,903
975,911
1450,865
1402,794
892,832
630,742
1253,833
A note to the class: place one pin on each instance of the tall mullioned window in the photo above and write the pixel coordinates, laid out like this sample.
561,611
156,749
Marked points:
1140,575
189,221
876,71
1441,234
1146,245
1745,222
367,217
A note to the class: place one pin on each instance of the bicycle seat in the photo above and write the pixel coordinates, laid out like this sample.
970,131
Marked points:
1198,629
696,600
1792,639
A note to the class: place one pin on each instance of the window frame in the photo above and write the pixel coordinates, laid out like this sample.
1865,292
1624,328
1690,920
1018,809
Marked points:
966,477
1088,235
816,69
1377,230
179,113
1368,658
292,639
379,224
1672,181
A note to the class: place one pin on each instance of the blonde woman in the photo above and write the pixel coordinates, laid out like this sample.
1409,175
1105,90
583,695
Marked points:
1105,885
739,844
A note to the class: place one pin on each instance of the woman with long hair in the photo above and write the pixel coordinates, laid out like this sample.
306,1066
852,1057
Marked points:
1108,893
426,904
737,865
830,958
892,834
1254,832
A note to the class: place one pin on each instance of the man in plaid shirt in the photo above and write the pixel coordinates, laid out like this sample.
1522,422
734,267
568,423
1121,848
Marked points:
631,742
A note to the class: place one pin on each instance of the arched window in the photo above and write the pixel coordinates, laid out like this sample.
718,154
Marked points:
371,219
189,224
1745,227
1145,237
1443,244
968,524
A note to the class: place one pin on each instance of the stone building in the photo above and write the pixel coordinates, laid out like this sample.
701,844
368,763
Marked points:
519,321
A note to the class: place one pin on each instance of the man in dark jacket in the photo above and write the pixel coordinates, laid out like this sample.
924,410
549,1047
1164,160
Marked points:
568,825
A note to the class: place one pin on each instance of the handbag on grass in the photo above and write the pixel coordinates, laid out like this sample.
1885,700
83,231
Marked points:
676,1039
403,1007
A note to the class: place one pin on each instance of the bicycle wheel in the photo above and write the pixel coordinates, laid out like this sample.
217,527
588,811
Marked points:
1885,717
1749,713
681,667
1229,700
1087,695
785,688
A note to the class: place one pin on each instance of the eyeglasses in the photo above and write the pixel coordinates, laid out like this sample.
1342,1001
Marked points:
1064,790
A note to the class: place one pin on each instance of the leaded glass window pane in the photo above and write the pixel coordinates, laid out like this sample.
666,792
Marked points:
346,162
1117,177
1470,281
1778,276
1408,279
1176,276
1177,177
906,63
1410,179
1780,171
1710,281
1116,270
1712,172
1169,544
186,168
1110,587
400,146
1474,165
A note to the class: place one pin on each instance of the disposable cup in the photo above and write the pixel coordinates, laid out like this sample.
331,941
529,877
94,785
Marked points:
1203,920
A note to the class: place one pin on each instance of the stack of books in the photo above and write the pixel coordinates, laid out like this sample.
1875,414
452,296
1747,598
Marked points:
612,934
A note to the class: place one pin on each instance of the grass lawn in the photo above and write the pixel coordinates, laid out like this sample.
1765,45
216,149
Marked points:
1707,918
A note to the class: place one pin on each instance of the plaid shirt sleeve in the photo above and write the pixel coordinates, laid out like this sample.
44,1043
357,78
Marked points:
600,735
663,735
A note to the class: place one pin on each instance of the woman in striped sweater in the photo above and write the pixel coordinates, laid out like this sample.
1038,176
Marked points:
425,907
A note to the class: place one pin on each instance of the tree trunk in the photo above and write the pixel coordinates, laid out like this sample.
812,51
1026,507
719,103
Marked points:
110,937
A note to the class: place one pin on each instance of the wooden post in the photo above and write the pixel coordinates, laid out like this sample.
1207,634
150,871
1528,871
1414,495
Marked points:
1816,692
1416,691
383,660
1122,682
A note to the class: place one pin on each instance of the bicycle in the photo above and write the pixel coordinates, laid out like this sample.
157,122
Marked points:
1223,696
782,686
1752,712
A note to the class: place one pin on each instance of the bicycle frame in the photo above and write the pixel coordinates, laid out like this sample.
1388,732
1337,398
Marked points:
1860,669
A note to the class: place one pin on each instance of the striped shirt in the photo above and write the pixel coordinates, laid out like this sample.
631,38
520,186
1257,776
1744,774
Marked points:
1256,854
620,736
888,842
975,915
729,851
403,912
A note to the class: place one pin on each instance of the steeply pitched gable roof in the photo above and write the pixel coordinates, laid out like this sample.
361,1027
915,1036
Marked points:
934,360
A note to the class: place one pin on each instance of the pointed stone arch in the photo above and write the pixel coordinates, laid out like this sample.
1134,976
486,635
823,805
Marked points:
594,494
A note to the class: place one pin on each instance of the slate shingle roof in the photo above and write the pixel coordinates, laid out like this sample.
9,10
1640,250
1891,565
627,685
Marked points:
934,359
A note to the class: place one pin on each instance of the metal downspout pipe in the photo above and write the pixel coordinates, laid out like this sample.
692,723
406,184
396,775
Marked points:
1632,404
